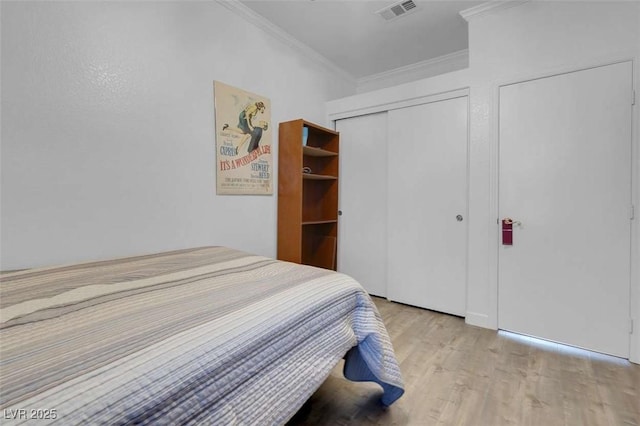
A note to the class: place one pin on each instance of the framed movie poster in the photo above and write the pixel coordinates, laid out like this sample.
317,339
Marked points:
244,162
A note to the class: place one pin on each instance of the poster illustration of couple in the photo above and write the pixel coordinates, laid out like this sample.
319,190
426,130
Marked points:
243,141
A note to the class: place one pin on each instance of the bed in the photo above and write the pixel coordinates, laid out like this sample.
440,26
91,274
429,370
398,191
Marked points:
208,335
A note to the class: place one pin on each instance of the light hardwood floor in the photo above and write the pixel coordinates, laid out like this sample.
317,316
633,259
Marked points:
456,374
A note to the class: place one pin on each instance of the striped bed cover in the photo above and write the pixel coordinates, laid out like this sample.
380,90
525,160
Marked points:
209,335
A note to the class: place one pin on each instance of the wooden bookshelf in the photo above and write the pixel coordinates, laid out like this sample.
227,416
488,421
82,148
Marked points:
308,202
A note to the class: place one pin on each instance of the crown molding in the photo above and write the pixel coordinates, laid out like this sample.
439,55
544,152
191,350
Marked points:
261,22
482,9
418,67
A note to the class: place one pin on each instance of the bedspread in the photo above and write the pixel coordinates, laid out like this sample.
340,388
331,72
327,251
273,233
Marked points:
209,335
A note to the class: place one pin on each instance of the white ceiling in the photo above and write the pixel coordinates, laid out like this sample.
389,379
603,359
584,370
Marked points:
352,36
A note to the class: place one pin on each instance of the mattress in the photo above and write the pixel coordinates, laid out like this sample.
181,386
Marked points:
209,335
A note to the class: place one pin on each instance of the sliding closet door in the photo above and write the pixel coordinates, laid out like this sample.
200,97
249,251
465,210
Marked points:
427,208
363,201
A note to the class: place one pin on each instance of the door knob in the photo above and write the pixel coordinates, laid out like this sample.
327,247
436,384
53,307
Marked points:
509,221
459,218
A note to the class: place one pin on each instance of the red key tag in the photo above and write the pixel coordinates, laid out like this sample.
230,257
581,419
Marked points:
507,232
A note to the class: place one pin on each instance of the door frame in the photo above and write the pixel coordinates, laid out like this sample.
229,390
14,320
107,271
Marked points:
494,202
397,104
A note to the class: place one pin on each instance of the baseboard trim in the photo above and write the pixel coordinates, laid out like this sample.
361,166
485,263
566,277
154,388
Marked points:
479,320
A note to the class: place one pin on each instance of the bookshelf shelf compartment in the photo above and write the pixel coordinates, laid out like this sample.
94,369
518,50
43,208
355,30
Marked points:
318,152
319,222
313,176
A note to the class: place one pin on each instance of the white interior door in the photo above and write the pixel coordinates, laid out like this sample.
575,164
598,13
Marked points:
565,174
428,205
362,251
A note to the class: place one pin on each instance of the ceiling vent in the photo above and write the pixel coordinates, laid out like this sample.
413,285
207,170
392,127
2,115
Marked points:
396,10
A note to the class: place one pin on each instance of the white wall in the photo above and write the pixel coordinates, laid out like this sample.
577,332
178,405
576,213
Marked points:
505,46
531,40
398,96
425,69
108,127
